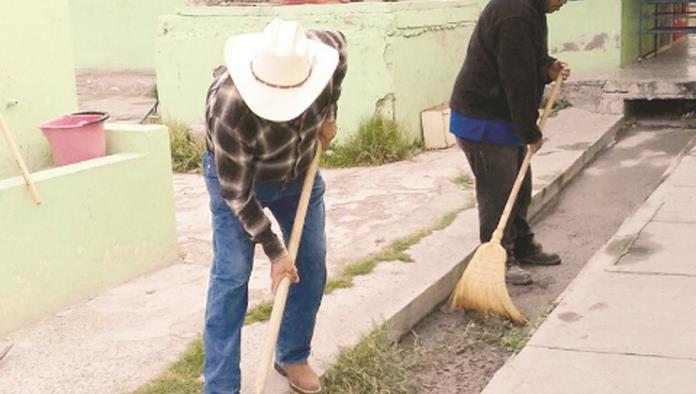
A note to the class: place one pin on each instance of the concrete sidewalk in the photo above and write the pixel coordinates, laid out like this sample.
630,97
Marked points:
126,337
627,324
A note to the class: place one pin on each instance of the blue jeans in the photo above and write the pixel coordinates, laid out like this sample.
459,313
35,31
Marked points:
229,276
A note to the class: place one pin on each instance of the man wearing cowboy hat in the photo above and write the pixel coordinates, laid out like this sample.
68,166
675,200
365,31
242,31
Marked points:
266,111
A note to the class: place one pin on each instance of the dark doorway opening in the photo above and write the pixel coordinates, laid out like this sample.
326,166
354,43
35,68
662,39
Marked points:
660,108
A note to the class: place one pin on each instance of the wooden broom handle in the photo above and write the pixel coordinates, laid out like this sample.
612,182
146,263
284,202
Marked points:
498,233
19,160
281,294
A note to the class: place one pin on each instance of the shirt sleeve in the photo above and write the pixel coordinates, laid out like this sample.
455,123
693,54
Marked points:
234,161
519,73
336,40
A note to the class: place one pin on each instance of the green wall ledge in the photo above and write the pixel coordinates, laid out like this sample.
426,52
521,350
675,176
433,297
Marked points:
102,222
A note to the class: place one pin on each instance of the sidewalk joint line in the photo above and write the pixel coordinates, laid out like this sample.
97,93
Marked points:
638,233
649,273
676,221
630,354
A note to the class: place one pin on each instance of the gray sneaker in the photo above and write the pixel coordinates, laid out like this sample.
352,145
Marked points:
533,254
516,275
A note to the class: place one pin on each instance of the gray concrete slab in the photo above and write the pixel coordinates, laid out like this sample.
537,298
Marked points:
662,248
553,371
685,175
625,313
680,205
109,343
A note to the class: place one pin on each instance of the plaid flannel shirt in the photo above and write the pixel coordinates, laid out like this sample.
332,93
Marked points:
249,149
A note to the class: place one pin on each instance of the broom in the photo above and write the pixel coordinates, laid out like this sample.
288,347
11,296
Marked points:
12,144
281,294
482,286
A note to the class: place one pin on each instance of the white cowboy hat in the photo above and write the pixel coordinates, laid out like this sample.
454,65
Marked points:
279,72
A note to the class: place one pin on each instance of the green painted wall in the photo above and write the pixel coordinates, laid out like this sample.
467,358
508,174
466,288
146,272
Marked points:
389,45
117,34
420,82
587,34
37,81
403,56
102,222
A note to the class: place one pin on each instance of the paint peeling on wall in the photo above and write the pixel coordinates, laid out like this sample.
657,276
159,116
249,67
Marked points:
384,107
601,41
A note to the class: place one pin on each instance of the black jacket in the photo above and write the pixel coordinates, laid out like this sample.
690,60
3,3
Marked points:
506,66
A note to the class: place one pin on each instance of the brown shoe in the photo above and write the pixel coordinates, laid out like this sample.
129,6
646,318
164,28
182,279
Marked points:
301,377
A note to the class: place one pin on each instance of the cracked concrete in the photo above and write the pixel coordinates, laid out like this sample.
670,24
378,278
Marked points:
670,75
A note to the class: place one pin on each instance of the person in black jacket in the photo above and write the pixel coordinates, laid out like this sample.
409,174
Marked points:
495,106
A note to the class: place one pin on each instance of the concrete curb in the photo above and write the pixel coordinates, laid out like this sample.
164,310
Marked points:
402,294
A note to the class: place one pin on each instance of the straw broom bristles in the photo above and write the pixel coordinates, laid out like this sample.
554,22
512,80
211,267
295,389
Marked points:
482,286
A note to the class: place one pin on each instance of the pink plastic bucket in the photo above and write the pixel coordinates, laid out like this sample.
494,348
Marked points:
76,137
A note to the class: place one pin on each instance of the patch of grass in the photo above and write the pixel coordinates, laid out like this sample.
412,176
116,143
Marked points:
394,254
339,283
186,150
495,330
464,181
183,377
260,312
514,338
360,268
375,365
377,141
448,219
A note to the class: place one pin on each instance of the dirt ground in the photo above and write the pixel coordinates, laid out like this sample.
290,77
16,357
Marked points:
460,352
127,95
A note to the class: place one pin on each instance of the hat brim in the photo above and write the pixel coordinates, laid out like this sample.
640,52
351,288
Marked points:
277,104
